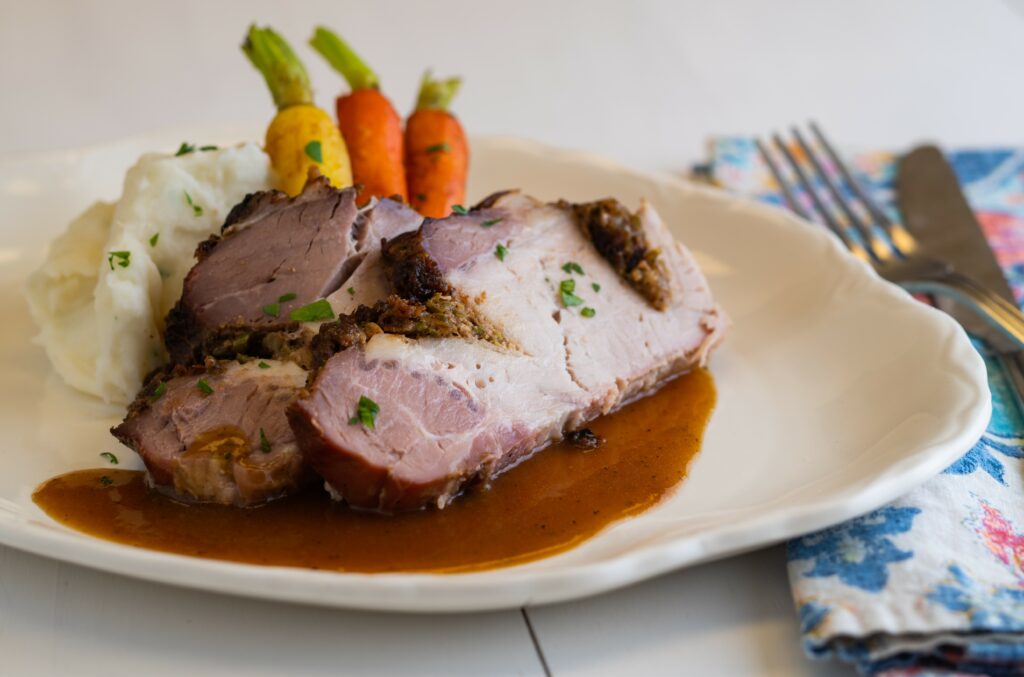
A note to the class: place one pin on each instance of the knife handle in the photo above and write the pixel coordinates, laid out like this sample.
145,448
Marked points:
989,306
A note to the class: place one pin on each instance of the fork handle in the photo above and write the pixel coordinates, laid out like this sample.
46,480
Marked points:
989,306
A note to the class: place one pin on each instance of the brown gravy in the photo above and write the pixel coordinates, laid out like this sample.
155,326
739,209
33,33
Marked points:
545,505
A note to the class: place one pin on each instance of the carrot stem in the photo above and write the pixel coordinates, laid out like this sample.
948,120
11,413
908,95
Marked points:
274,59
344,59
436,94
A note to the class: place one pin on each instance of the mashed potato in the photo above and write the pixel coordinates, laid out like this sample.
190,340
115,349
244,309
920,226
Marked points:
101,296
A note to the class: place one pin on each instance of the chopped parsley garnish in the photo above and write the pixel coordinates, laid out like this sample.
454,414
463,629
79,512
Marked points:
264,442
490,222
153,240
263,365
106,481
366,412
572,267
123,258
595,286
460,210
185,148
501,251
588,312
285,298
314,151
272,309
158,392
110,457
567,289
439,148
315,311
196,209
351,291
204,387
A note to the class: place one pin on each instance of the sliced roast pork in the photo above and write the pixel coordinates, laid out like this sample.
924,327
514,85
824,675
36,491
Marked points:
563,326
277,254
228,441
220,434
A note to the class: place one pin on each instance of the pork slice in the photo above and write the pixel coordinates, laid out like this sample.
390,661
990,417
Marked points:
445,416
456,408
219,437
298,249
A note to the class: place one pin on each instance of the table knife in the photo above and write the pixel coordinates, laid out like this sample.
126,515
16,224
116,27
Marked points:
936,212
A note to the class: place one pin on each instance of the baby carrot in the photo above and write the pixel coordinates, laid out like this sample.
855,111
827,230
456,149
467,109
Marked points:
436,150
369,123
301,136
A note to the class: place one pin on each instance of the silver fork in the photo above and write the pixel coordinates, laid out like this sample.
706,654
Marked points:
896,257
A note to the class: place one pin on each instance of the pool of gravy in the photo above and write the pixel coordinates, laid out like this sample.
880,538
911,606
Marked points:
545,505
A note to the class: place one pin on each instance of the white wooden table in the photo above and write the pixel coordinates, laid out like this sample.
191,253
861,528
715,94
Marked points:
645,83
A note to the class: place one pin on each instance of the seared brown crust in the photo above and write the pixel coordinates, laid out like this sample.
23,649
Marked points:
252,204
619,237
412,271
182,335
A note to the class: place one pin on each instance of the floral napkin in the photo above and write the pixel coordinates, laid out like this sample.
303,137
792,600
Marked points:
932,584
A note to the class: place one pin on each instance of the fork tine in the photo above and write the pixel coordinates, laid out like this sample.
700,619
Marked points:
787,192
902,240
876,245
830,220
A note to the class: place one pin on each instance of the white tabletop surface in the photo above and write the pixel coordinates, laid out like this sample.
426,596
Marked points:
643,82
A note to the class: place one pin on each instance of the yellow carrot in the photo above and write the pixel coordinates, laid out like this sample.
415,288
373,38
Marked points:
301,136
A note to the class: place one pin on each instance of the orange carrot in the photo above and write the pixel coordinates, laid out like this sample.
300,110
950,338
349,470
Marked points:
436,151
369,123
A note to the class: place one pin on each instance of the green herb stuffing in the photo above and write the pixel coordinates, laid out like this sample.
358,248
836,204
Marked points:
588,312
263,365
366,412
206,148
106,481
595,286
460,210
567,289
439,148
264,442
204,387
490,222
110,457
315,151
314,312
272,309
122,259
501,251
351,291
285,298
184,149
153,240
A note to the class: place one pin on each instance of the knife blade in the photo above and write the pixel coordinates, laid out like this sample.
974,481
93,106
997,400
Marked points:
937,214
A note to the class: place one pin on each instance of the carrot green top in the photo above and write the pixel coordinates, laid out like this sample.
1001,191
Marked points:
344,59
285,75
437,94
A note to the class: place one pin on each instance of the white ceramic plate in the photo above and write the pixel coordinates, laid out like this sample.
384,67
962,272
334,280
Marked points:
837,392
